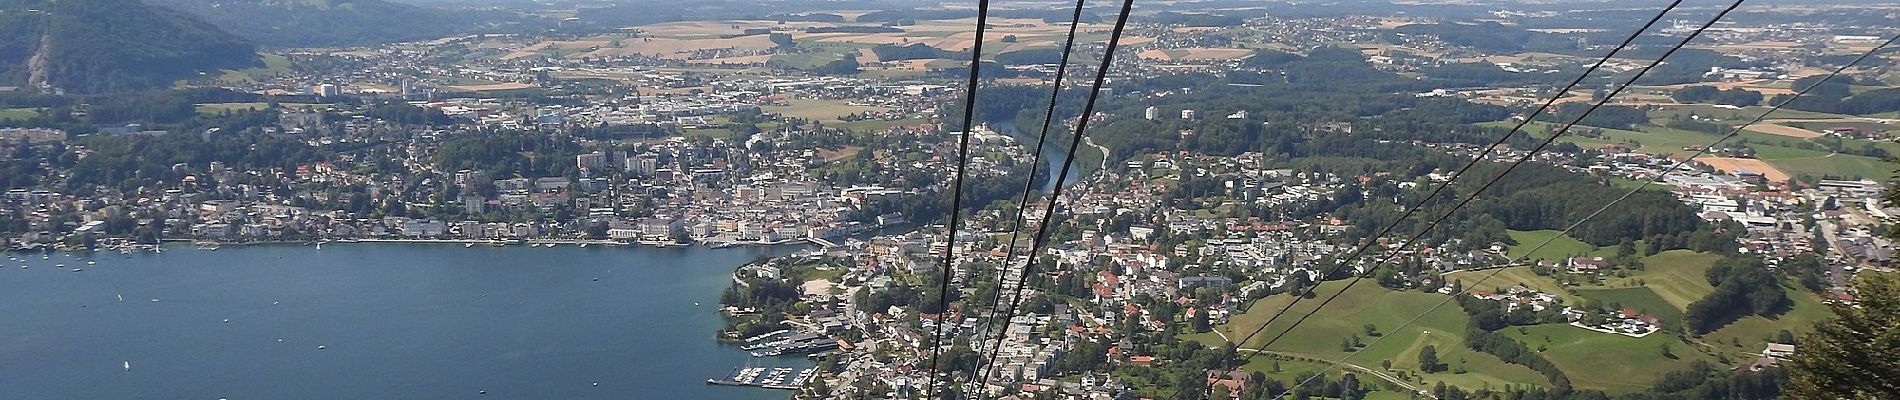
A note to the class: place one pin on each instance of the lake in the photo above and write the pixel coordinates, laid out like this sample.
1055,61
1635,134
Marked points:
395,321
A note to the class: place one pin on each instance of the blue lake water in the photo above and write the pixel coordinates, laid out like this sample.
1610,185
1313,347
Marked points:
396,321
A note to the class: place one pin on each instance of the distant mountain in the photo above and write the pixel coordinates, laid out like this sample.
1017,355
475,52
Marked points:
324,23
97,46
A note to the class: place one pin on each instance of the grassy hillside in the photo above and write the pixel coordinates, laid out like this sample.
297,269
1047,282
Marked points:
1320,336
1593,360
1753,332
1640,299
1514,276
1560,248
1614,363
1678,276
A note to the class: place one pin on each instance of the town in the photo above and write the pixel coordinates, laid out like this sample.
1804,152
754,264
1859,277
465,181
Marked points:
1211,195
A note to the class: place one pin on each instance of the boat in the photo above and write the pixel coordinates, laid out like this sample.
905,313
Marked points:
583,245
91,262
208,246
122,298
128,365
468,245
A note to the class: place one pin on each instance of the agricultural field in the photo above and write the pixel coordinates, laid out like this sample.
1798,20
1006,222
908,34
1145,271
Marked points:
1514,276
1561,247
1838,165
18,113
1195,54
1732,116
1678,276
1773,149
821,110
1641,299
1737,165
801,60
273,65
1608,362
1346,316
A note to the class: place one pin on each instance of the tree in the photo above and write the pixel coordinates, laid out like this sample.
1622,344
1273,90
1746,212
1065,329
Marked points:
1428,359
1851,355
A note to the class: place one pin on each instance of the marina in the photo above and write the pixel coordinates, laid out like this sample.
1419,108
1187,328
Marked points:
769,378
800,343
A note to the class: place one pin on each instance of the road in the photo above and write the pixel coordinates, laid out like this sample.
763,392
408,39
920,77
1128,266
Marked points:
1837,274
1091,142
1368,371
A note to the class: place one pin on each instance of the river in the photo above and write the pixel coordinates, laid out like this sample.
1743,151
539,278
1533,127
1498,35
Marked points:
394,321
1052,155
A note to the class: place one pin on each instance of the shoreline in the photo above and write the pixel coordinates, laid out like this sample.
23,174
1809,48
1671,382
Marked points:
488,242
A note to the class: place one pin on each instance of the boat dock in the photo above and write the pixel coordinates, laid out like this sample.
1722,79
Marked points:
769,378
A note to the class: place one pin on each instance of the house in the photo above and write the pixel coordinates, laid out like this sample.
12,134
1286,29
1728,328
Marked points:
1586,264
1234,381
1778,351
1217,282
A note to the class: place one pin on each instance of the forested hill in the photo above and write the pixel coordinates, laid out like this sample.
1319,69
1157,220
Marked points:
323,23
97,46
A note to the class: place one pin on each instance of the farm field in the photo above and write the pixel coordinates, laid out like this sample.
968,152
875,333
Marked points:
273,65
1560,248
1839,165
1641,299
1783,130
1369,304
821,110
1737,165
1608,362
1514,276
1734,116
1794,162
1677,276
18,113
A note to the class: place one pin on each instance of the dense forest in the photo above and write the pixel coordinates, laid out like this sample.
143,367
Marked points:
103,46
1709,94
1493,37
913,51
1835,96
1743,286
308,23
